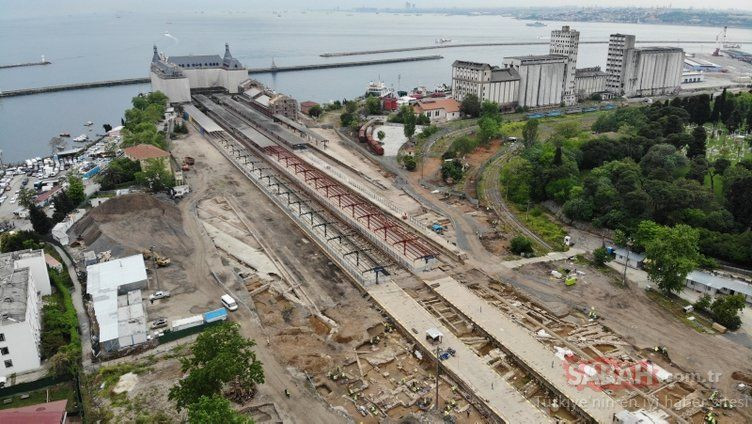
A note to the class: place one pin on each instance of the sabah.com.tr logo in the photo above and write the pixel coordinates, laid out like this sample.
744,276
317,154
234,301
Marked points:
610,374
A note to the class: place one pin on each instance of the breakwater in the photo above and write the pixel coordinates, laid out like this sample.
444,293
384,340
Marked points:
505,43
272,69
20,65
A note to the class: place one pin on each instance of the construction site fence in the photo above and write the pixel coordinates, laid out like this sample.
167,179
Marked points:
337,257
179,334
34,385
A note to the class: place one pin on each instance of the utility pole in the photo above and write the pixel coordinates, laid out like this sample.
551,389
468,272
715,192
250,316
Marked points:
438,359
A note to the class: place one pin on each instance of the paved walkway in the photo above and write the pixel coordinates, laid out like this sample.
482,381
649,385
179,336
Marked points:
550,257
503,399
525,348
78,303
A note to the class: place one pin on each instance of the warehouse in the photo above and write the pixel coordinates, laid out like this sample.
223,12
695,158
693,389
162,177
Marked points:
589,81
652,71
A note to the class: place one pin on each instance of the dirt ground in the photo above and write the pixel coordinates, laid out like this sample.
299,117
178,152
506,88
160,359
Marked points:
639,320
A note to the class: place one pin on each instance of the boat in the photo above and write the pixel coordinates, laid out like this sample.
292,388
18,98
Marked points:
443,40
376,88
64,134
535,24
88,123
81,138
731,46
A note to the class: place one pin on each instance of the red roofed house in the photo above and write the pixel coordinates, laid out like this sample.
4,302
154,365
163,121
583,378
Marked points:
438,110
305,107
41,413
144,153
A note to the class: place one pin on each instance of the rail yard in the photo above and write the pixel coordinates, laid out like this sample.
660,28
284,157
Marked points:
501,355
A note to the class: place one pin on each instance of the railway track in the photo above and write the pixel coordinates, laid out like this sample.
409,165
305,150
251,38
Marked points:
494,199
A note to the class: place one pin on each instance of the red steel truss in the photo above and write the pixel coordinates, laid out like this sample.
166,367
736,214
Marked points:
385,227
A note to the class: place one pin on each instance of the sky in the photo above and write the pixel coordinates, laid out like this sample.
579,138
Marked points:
30,8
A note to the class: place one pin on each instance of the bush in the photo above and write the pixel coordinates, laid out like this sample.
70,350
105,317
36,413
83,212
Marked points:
601,256
521,245
451,170
725,310
703,303
409,162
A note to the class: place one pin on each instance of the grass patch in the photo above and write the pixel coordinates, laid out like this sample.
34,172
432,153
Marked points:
108,376
57,392
540,224
675,305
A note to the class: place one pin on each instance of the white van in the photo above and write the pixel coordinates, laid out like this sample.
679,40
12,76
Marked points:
229,302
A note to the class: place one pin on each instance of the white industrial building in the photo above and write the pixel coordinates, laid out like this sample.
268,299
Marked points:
589,81
115,289
20,313
618,44
541,79
718,285
37,264
489,83
176,76
566,42
652,71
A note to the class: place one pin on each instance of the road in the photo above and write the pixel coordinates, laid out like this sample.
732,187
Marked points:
83,319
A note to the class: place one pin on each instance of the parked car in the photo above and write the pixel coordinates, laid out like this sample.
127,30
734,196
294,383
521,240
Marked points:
159,295
159,323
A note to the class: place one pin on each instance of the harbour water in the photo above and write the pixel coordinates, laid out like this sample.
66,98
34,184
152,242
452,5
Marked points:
114,45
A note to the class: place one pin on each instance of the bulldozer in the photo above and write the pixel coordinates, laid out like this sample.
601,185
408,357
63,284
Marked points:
161,261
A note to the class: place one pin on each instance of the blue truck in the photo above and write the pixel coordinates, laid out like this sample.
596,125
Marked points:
215,315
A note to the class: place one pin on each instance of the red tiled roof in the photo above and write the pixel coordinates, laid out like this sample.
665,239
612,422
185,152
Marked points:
308,103
47,194
41,413
449,105
144,151
52,262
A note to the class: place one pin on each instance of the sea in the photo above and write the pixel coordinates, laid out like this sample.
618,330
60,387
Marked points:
93,46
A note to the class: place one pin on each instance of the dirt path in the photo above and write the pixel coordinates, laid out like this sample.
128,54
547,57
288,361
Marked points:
213,176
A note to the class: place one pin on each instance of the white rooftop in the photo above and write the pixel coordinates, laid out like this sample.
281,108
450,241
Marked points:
719,282
110,275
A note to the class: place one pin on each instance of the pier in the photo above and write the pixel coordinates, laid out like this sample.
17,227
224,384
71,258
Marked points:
510,43
272,69
20,65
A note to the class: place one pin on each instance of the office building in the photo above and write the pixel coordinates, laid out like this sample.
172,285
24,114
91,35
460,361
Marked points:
566,42
618,44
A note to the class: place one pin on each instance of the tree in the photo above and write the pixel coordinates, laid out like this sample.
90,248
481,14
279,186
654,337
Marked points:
670,255
697,145
26,197
41,223
219,356
381,135
156,176
409,162
107,127
422,119
470,106
601,256
530,132
737,190
451,171
703,303
75,190
491,110
120,171
521,245
726,309
516,177
408,121
373,105
215,409
315,111
18,240
488,129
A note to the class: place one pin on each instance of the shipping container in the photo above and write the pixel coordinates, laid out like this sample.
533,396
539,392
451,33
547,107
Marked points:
182,324
215,315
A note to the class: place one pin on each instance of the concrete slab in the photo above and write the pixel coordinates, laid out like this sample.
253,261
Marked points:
503,399
599,406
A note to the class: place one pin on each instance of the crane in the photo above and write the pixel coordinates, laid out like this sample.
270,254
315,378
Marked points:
720,40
